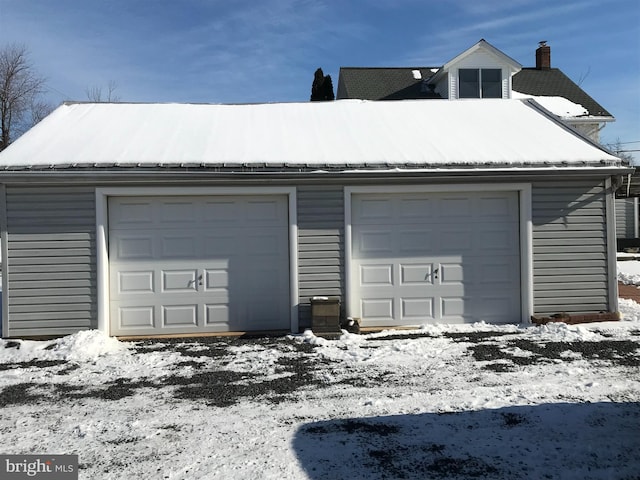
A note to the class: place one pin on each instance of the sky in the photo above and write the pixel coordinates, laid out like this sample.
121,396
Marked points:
240,51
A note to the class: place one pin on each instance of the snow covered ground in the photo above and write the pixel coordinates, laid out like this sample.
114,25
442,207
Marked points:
472,401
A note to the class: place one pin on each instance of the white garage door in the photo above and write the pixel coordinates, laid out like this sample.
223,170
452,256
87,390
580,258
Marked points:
198,264
425,258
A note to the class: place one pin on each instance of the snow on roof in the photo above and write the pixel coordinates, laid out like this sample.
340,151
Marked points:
559,106
350,133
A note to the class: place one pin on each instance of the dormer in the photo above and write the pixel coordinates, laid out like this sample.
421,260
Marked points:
481,71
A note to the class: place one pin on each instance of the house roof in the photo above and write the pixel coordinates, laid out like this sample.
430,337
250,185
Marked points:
348,134
552,82
398,83
385,83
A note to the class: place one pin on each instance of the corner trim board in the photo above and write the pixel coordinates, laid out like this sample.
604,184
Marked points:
4,248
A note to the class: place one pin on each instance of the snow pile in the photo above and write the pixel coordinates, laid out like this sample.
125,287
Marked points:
86,345
559,106
629,272
629,310
561,332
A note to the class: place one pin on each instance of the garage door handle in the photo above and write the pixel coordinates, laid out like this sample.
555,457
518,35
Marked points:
435,273
200,280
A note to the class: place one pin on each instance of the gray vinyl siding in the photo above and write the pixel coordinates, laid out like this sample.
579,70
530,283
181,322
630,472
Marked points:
320,246
570,247
51,262
625,218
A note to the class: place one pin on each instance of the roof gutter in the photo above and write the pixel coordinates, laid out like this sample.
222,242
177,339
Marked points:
131,175
588,119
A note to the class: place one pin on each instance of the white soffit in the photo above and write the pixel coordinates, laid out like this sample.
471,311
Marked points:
413,133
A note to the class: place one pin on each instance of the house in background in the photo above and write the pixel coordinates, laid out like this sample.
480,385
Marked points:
156,219
481,71
628,212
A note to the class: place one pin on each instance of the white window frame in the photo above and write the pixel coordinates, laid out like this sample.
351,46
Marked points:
479,70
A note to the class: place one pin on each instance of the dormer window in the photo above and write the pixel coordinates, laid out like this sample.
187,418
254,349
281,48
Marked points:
479,83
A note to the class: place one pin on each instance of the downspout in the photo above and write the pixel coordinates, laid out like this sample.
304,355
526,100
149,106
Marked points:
612,267
636,226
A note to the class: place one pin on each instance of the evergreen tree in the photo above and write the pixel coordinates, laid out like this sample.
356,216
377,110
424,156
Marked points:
322,87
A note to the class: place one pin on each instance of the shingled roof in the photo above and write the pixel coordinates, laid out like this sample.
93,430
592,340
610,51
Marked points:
553,83
399,83
366,83
404,83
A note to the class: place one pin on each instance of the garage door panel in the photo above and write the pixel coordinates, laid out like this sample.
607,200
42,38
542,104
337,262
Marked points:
500,269
417,309
179,280
217,316
377,309
264,243
374,210
373,241
264,212
412,274
455,209
415,241
376,275
216,278
179,246
412,209
220,245
176,213
497,239
434,261
134,247
215,268
132,214
457,240
222,212
178,315
452,307
454,273
135,317
498,208
135,282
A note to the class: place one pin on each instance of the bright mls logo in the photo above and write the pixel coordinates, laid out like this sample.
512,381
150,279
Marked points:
51,467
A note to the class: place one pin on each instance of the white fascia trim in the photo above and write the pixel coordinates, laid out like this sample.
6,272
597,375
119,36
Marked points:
526,231
102,235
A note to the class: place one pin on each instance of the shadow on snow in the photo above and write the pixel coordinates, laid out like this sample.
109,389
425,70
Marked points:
549,441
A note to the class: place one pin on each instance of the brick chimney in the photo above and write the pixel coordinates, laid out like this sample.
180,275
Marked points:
543,56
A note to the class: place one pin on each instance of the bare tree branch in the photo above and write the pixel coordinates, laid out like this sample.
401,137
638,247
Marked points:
20,85
94,94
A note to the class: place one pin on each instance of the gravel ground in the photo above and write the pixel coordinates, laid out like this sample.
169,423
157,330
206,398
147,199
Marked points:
452,404
219,387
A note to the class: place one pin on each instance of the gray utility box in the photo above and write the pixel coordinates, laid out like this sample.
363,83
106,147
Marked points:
325,315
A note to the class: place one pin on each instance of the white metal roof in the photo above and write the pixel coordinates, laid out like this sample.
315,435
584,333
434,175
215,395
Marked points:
351,133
